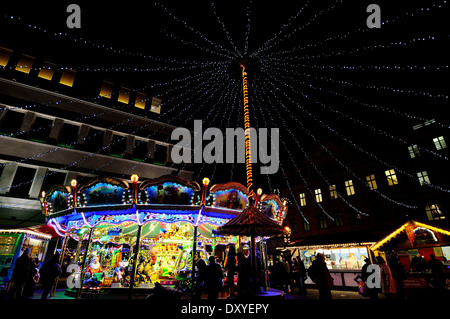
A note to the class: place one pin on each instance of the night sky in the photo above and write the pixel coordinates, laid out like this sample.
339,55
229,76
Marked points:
315,66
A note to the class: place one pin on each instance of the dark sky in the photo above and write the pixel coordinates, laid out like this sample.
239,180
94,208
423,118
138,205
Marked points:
322,59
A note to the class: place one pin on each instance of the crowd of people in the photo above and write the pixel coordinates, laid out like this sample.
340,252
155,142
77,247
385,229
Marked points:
27,275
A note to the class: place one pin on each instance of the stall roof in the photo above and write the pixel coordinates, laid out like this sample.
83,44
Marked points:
336,240
407,232
26,231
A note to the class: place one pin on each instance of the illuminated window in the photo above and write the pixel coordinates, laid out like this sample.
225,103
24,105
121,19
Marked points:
156,105
302,199
141,98
423,178
439,142
434,212
349,187
68,77
124,95
5,55
25,63
333,192
106,90
391,177
413,151
371,182
47,71
318,194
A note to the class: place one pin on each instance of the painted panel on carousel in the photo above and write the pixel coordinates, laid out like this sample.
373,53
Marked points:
168,193
272,207
103,193
57,199
230,195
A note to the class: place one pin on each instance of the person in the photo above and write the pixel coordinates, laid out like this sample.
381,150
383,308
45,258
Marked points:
398,272
320,274
244,272
437,273
279,274
419,264
302,276
386,279
200,279
214,277
371,292
49,272
21,274
33,279
230,265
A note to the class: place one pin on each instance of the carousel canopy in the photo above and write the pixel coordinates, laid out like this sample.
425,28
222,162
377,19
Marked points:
251,222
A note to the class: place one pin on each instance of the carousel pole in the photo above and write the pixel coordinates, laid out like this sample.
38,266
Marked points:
61,259
79,289
205,182
134,179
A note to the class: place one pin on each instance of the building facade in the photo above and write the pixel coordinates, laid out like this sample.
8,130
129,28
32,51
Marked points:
58,124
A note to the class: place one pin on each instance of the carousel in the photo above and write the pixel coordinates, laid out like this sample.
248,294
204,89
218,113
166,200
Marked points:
122,237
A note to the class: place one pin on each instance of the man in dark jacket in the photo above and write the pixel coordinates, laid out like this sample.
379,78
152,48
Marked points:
214,276
49,271
320,274
21,274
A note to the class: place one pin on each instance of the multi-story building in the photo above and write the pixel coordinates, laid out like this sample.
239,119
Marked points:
59,124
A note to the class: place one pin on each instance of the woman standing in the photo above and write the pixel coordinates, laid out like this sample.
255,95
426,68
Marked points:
230,265
386,279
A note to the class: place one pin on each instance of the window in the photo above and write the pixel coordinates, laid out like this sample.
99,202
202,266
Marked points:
413,151
423,178
371,182
118,146
318,195
68,77
439,142
124,95
338,219
306,226
22,181
5,55
349,187
40,130
106,90
141,98
47,71
302,199
293,224
25,63
333,192
391,177
156,105
160,155
323,222
434,212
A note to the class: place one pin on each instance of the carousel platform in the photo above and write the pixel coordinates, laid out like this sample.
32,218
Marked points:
143,293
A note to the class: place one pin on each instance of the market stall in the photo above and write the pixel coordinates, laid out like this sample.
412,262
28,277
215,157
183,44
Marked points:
344,255
12,244
148,229
413,243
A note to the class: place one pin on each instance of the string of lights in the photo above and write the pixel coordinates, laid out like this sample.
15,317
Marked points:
340,37
353,119
348,169
286,127
199,35
359,148
224,29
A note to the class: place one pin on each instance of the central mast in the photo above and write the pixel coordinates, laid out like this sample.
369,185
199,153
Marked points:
248,160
